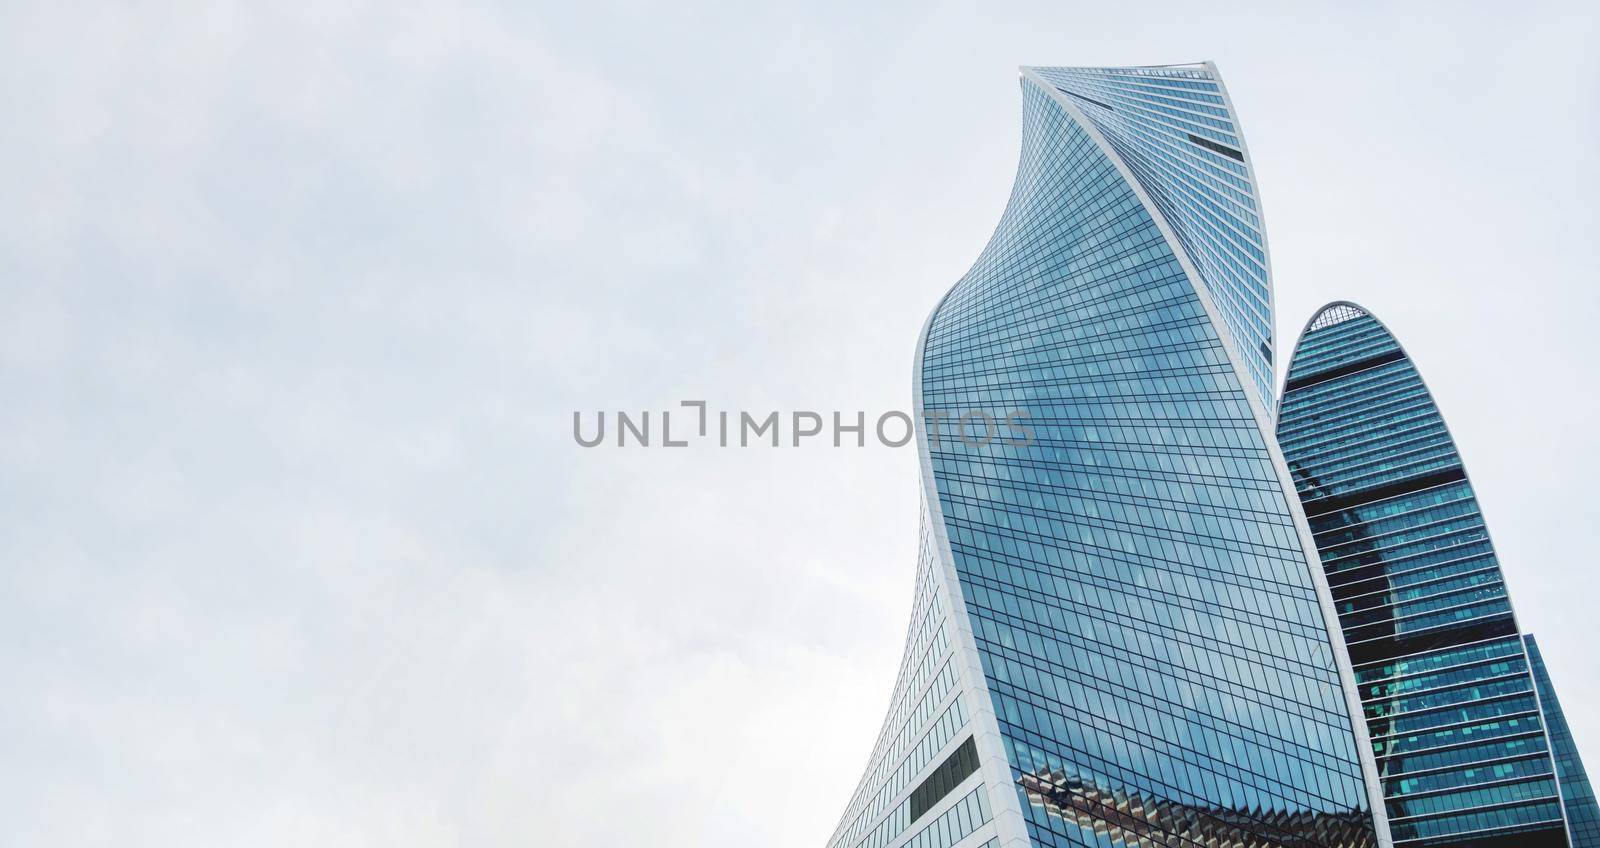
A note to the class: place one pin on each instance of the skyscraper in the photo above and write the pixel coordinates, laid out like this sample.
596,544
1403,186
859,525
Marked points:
1577,796
1445,683
1120,633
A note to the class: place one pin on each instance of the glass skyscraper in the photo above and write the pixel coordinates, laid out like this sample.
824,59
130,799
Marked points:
1445,683
1120,633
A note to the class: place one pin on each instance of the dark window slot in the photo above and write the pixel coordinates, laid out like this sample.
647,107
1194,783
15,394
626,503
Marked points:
1348,368
1318,507
1090,99
1214,147
955,768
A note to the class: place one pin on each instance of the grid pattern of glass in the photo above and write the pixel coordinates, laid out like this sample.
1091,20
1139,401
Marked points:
926,713
1577,796
1142,604
1174,129
1443,676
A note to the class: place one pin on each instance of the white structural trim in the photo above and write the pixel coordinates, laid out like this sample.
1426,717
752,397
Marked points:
993,764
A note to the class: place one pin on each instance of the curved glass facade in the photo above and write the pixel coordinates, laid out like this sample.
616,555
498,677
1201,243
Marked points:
1137,640
1444,679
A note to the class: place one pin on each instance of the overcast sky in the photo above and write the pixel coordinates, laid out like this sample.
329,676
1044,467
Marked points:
296,306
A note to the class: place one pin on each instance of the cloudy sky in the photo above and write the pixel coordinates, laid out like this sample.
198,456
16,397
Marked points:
296,306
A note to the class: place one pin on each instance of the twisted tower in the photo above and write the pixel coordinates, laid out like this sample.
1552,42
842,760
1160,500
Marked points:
1121,635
